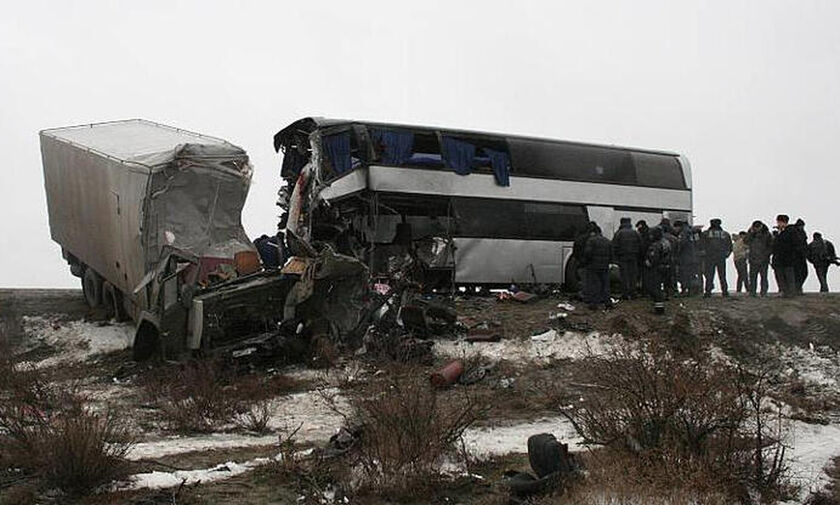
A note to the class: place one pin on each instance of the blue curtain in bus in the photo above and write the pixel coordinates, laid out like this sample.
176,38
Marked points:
458,155
338,150
500,161
395,147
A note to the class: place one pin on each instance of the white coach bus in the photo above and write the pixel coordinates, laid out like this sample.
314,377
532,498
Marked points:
481,208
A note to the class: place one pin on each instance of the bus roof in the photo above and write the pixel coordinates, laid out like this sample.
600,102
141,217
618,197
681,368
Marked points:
308,124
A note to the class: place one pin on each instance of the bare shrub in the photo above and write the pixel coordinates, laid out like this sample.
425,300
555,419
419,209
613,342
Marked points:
194,397
255,418
49,433
689,417
408,431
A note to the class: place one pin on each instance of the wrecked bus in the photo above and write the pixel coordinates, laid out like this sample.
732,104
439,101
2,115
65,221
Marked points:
148,216
474,208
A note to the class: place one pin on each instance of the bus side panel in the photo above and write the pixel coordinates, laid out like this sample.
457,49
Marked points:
501,261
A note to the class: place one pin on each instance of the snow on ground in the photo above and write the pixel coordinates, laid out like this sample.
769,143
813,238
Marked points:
812,448
75,341
160,480
490,441
818,366
542,348
316,416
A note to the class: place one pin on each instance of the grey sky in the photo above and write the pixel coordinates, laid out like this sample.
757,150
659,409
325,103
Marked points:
749,91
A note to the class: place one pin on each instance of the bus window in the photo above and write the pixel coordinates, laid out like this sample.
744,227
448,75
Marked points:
658,170
342,153
406,148
513,219
572,162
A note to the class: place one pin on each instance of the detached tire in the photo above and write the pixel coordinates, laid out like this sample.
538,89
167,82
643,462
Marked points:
92,288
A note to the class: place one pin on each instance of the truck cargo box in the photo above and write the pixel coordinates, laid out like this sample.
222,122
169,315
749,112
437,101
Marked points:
119,194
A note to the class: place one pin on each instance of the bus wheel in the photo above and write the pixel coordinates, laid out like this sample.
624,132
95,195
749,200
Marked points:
92,288
571,276
113,300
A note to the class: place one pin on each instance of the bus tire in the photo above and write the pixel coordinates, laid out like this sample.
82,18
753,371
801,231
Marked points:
571,278
92,288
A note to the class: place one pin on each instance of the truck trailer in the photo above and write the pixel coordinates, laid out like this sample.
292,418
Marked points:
148,216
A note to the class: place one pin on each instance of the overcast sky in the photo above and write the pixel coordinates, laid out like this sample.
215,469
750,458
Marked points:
749,91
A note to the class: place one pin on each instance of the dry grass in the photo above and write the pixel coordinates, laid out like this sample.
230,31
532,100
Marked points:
407,434
203,396
51,434
684,422
831,494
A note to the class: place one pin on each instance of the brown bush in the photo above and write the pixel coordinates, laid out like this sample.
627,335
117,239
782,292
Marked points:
193,397
690,418
408,431
50,433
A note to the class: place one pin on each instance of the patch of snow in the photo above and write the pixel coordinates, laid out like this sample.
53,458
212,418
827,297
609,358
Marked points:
75,341
180,445
486,441
812,448
161,480
541,348
818,366
314,414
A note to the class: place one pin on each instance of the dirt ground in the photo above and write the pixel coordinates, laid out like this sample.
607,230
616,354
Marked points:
527,375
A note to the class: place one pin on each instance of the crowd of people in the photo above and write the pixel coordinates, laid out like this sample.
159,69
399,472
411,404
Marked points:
683,260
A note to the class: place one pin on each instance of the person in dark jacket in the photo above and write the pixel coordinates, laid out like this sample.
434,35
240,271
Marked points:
688,243
800,267
627,247
784,256
718,246
668,234
821,254
644,234
760,242
597,256
657,265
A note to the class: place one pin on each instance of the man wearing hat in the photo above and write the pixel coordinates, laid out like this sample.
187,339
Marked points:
760,242
718,246
821,254
627,248
784,256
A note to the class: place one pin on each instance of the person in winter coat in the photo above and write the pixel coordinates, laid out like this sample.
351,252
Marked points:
760,243
668,233
800,267
597,256
740,254
644,233
718,245
821,254
657,266
627,247
688,263
785,256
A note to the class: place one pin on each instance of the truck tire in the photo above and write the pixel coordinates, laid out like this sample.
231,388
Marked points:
112,299
92,288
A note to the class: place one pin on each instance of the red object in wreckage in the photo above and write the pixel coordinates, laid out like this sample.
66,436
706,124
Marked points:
448,375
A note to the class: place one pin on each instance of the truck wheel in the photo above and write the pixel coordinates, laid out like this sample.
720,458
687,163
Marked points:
113,301
92,288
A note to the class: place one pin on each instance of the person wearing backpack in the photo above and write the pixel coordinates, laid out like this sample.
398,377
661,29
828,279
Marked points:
658,268
821,254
